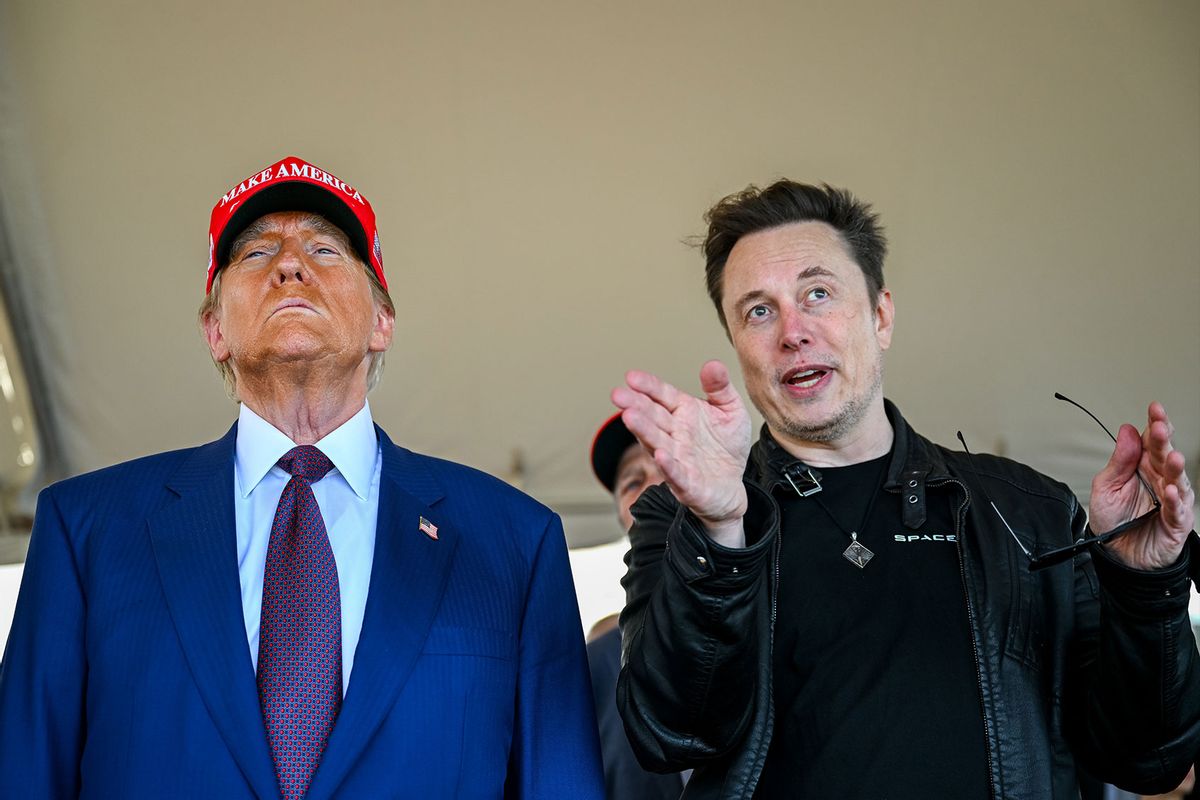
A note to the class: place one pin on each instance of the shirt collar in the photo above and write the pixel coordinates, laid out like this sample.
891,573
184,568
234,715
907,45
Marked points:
352,447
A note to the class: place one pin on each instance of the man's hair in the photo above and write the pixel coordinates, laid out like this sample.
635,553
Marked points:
379,294
782,203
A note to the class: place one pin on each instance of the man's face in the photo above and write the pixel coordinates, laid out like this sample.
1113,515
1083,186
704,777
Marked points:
808,338
636,472
293,292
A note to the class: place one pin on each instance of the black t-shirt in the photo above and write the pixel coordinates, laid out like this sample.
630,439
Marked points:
876,694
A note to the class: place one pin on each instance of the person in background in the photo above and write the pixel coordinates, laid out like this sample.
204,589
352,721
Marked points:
301,608
625,469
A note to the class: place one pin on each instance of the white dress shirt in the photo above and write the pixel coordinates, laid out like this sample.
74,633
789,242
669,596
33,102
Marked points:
348,497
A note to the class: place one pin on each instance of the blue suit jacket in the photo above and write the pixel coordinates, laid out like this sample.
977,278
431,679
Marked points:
128,674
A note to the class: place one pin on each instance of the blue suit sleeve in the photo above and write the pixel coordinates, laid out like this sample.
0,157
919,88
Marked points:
555,750
44,671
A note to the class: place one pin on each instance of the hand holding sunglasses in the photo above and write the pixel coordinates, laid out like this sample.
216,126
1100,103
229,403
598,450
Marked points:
1144,475
1125,513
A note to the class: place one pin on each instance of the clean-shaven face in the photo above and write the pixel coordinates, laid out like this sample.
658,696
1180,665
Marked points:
294,291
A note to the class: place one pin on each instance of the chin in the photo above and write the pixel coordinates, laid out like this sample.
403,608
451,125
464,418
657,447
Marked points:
823,427
298,340
814,412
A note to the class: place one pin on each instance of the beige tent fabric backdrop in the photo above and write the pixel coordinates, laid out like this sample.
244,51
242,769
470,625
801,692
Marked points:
536,166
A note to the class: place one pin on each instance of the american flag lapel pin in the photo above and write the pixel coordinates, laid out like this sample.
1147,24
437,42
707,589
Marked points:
428,528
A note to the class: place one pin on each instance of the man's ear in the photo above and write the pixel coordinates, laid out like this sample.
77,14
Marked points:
385,326
885,319
211,323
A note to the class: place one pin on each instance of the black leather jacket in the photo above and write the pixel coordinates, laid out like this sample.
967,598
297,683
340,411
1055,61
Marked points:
1086,662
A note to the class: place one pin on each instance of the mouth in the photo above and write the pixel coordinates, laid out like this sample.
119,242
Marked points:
805,378
293,303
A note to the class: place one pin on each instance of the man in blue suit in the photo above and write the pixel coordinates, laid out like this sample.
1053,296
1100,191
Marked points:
300,608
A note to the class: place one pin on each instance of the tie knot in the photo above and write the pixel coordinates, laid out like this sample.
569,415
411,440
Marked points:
306,462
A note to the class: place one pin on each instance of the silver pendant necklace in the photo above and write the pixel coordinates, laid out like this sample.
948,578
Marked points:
857,554
807,483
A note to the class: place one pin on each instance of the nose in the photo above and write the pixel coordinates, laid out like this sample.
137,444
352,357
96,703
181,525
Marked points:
290,263
794,330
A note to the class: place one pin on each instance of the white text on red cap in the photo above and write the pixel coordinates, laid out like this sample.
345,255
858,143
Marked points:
293,170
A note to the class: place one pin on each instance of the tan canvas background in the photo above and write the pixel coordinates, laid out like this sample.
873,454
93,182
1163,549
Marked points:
536,166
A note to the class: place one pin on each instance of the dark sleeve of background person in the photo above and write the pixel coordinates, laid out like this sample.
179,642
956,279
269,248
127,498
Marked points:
624,778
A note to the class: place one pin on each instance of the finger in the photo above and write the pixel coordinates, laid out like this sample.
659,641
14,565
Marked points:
1157,412
659,390
1178,512
1157,443
1158,448
1176,495
644,428
623,397
1123,462
1175,474
714,381
651,413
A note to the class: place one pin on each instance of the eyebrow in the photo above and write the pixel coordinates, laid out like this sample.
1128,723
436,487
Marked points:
252,232
802,275
260,226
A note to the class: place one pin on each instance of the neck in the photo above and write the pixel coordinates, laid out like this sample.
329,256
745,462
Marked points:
871,437
304,410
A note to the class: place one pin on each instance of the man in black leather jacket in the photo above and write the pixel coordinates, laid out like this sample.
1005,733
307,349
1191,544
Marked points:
926,659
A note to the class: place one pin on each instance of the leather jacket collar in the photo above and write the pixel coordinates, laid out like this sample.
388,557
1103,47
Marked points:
913,467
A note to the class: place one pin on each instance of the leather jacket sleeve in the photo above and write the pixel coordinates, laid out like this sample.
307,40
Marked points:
696,629
1133,692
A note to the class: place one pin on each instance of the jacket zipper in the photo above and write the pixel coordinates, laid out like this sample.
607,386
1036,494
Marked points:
962,572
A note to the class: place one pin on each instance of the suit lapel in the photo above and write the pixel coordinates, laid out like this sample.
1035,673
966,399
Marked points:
195,545
408,578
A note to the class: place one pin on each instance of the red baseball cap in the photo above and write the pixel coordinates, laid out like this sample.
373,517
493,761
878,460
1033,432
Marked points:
610,443
293,184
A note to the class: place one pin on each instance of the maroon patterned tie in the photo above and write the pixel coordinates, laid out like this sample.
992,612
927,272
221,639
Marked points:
300,639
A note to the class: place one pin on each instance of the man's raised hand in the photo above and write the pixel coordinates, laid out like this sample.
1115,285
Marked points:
700,444
1117,495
